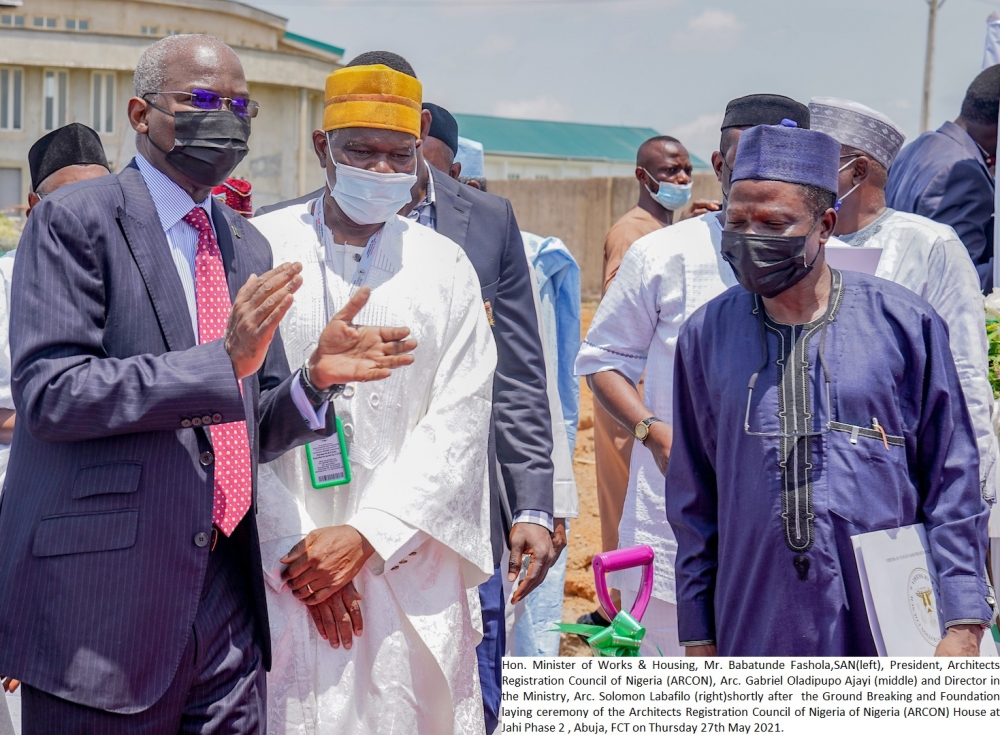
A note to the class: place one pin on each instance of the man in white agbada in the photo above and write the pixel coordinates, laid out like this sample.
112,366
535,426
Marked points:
663,279
372,628
923,255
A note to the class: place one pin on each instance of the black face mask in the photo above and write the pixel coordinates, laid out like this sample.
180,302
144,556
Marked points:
208,144
767,264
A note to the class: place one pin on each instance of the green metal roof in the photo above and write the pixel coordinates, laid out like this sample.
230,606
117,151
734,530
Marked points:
546,139
314,43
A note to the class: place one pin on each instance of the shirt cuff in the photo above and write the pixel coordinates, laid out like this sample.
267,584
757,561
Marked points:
391,538
316,418
538,517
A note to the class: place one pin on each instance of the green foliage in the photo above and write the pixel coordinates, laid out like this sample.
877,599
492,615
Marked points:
10,233
993,333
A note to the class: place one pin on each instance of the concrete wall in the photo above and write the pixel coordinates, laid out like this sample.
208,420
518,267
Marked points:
580,212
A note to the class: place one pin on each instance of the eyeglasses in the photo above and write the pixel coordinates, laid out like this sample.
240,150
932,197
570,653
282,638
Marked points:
206,99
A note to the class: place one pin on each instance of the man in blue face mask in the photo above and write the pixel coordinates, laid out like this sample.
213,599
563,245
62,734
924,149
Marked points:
812,405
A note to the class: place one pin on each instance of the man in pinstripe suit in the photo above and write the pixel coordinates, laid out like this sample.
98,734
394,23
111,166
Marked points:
131,595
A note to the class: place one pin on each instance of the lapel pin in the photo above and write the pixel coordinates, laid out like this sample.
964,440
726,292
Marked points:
235,232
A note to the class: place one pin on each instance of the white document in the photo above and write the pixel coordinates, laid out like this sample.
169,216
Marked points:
863,260
901,592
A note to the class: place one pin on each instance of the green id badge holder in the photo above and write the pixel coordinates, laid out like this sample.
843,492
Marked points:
328,462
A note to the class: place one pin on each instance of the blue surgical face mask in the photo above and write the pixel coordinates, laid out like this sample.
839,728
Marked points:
670,196
369,197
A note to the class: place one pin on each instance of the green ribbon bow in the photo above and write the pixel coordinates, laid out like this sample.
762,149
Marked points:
621,639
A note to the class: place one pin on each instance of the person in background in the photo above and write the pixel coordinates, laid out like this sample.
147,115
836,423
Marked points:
235,194
948,174
65,156
663,169
664,278
777,460
441,144
925,256
473,166
149,378
521,473
531,624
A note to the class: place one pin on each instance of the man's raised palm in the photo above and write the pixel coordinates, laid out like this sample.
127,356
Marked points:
347,353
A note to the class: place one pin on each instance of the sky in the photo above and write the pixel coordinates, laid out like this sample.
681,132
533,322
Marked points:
671,65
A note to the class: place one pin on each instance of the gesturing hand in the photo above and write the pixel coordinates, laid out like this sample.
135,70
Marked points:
535,541
703,206
347,353
8,684
258,309
338,616
324,561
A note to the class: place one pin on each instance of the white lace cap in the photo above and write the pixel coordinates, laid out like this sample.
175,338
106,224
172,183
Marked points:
857,125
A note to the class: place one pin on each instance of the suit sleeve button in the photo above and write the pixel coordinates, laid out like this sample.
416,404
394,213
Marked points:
216,418
196,421
186,423
206,420
206,458
201,540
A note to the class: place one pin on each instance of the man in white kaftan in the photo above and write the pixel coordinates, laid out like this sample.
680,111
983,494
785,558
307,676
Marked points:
925,256
410,532
663,279
417,448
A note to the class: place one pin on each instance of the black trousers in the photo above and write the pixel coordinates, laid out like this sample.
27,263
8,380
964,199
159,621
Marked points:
219,687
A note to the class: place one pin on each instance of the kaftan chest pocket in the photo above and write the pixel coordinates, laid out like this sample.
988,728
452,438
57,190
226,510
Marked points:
867,476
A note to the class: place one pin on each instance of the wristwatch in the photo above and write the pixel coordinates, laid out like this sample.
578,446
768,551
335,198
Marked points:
641,430
316,396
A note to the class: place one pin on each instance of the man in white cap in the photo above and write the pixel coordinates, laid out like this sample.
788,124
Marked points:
925,256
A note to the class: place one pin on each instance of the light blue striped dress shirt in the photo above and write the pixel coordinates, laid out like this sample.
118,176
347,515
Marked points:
172,205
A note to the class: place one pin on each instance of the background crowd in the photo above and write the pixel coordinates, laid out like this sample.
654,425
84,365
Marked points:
178,558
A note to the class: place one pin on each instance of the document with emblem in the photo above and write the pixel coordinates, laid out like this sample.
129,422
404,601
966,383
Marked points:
901,592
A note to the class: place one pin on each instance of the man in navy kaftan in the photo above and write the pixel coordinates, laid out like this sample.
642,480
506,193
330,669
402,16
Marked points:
855,422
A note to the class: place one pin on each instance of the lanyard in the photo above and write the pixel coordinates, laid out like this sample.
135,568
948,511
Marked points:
325,236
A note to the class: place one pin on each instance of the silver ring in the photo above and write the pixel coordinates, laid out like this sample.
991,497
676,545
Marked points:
309,589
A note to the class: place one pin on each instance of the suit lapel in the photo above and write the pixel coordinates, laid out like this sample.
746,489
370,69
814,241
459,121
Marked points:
451,211
140,224
965,140
228,234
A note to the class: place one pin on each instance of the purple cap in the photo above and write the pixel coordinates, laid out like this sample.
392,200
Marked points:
791,154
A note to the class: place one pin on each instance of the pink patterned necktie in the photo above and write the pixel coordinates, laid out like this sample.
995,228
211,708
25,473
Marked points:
230,443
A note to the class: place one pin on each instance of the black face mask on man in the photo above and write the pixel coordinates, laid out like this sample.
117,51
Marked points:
767,264
208,144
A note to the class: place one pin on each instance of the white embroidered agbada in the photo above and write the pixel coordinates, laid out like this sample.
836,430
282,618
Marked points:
419,494
928,258
664,278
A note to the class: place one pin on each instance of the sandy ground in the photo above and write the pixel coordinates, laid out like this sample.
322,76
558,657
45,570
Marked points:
585,531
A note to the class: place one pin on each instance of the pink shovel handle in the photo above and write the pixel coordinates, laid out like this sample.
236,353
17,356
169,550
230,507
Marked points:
612,561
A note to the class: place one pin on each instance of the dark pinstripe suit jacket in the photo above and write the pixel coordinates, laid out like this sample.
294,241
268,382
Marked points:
105,495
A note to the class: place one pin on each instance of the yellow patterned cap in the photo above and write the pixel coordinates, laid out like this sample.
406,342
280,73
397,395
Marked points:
372,97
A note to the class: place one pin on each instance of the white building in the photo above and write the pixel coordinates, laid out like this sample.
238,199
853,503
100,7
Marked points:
64,61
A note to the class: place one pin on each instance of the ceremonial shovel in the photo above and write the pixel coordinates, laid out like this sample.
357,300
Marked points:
623,636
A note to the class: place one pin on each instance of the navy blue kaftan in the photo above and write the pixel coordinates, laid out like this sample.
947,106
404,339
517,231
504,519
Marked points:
765,564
